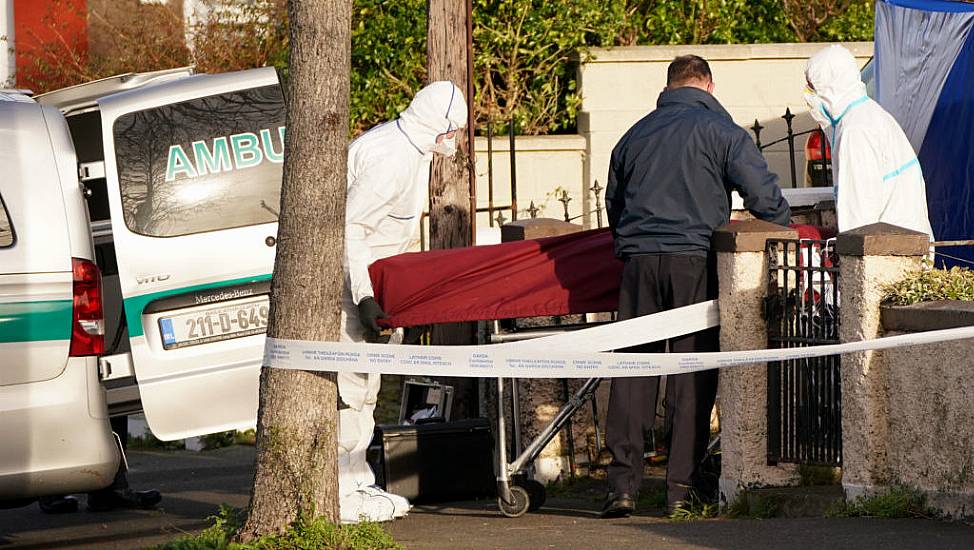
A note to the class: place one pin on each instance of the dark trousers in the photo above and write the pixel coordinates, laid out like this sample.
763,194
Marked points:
651,284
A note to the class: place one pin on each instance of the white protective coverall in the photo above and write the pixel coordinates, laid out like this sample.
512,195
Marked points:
876,172
388,183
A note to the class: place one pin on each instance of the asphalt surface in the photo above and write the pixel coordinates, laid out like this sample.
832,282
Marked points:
195,484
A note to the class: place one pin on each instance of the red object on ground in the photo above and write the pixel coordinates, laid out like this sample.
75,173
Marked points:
576,273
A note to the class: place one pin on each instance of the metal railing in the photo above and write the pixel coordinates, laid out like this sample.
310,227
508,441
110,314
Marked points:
804,395
821,175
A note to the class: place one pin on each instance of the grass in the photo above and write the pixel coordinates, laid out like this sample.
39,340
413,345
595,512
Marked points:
897,502
750,505
305,534
819,475
926,285
694,509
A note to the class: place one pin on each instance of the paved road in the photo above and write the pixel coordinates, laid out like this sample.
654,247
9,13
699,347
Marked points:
195,484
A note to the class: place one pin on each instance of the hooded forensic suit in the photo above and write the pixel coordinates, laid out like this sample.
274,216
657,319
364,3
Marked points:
876,173
388,179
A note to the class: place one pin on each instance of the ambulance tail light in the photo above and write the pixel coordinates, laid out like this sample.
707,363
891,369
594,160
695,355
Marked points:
88,315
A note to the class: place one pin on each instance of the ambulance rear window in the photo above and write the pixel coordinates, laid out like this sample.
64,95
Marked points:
202,165
6,229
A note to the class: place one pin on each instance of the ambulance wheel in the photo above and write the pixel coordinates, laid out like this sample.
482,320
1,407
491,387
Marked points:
520,503
536,494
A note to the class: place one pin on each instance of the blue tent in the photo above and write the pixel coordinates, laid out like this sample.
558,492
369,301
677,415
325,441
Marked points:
925,78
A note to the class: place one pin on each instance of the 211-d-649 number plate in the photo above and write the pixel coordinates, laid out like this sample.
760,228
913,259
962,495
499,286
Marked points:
236,320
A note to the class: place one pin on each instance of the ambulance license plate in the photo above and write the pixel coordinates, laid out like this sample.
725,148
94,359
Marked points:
236,320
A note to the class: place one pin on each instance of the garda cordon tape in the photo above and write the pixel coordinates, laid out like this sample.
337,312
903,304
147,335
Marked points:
573,354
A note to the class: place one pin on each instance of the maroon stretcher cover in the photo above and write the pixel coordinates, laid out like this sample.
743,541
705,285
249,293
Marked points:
575,273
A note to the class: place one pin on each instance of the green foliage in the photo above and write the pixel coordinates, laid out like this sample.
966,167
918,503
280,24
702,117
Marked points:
703,22
751,505
388,58
819,475
897,502
149,442
304,534
526,52
218,440
526,58
928,285
856,24
694,508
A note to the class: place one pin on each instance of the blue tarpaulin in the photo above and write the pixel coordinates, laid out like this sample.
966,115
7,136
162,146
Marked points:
925,79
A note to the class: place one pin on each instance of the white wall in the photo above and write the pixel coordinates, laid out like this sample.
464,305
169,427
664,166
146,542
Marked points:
545,165
621,85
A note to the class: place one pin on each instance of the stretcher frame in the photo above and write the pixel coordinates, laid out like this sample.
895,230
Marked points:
516,493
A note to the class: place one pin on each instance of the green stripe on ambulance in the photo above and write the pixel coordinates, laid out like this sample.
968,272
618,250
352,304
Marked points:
35,321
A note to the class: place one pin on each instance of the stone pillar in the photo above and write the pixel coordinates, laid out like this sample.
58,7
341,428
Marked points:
743,391
871,257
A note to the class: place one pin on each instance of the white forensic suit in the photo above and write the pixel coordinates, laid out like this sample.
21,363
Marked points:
875,169
388,182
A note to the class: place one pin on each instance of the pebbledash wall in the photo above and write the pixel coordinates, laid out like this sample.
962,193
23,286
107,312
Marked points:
906,414
621,85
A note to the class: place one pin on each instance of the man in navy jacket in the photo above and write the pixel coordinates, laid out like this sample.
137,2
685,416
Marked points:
670,178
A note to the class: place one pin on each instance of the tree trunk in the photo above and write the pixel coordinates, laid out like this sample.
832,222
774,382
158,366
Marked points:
451,215
297,422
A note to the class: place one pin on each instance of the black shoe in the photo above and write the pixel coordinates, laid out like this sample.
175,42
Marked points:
103,501
58,505
618,506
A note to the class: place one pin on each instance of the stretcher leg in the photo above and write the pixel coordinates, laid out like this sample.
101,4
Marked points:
515,498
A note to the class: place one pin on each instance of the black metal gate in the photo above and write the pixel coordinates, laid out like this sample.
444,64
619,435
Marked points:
802,309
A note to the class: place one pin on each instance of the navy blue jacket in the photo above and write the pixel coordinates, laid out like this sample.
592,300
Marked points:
671,175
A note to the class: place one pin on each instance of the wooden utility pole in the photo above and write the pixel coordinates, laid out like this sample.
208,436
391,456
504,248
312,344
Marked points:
297,422
452,191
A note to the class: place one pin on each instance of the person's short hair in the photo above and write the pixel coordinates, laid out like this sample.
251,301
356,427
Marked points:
688,68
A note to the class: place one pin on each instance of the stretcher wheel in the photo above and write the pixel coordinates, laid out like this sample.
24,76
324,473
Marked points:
520,502
536,493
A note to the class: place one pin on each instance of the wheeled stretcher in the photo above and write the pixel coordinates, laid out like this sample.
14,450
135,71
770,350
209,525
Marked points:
554,276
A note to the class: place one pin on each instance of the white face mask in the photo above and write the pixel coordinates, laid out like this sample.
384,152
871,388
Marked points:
447,147
816,108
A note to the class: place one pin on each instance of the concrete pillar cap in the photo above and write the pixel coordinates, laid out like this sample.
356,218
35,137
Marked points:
882,239
535,228
749,236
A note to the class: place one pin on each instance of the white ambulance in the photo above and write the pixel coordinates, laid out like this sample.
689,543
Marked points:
181,174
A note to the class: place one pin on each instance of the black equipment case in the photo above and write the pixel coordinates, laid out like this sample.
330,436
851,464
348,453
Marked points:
436,461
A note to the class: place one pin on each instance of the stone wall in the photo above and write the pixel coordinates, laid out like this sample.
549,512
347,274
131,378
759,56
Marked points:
742,272
931,419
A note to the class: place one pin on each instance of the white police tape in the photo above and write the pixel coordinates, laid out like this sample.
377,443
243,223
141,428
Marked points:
568,355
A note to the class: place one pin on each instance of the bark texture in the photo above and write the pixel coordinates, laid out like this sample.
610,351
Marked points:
451,218
297,422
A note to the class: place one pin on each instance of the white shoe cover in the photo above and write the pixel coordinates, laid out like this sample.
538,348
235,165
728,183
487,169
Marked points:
401,505
361,506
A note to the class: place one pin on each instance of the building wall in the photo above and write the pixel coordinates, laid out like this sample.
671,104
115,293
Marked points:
545,166
8,62
931,423
39,22
127,14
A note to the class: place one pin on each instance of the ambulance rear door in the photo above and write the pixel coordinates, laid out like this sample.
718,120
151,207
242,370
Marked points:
193,170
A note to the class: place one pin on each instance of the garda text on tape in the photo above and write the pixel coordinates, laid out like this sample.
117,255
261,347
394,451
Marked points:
568,355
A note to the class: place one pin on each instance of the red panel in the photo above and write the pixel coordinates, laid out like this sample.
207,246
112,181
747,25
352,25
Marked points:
48,35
